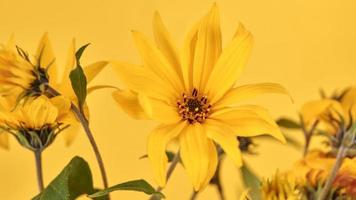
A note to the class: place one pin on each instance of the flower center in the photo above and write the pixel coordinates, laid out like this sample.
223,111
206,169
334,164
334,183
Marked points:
194,107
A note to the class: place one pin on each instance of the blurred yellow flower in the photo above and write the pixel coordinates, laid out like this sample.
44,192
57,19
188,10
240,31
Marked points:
192,95
330,112
280,187
23,75
315,167
36,122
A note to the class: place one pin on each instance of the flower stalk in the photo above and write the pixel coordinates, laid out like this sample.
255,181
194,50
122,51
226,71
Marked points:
38,161
347,142
307,134
85,125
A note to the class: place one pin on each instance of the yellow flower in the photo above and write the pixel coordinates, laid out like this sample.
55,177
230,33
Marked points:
280,187
329,112
37,121
24,75
192,95
315,168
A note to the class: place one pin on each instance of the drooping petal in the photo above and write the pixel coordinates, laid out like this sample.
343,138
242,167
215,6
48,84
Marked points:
141,80
4,140
165,44
249,121
198,154
129,102
229,65
223,135
246,92
159,110
46,58
156,148
208,48
155,61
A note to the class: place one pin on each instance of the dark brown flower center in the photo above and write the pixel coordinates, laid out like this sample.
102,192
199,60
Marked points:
194,107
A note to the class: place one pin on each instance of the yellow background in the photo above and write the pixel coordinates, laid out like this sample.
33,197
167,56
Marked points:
304,45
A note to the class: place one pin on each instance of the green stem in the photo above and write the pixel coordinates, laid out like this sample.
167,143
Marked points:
38,160
308,134
90,136
194,195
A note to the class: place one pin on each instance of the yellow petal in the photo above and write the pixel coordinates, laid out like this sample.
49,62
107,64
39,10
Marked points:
208,48
249,121
198,154
156,148
71,133
4,140
11,43
187,56
140,80
246,92
321,110
70,62
225,137
155,61
63,106
128,101
245,195
348,102
159,110
229,66
47,58
165,44
39,111
91,71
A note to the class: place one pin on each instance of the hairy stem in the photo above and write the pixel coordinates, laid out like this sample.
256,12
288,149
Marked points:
80,115
339,158
170,170
38,160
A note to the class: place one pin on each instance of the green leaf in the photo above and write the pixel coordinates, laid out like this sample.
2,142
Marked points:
251,181
170,156
78,78
135,185
74,180
293,142
288,123
79,53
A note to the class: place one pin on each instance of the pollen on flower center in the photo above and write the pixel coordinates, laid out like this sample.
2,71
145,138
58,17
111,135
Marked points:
194,107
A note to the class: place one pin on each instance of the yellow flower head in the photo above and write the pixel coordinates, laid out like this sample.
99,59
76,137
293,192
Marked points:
23,75
328,113
192,94
37,121
280,187
315,168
